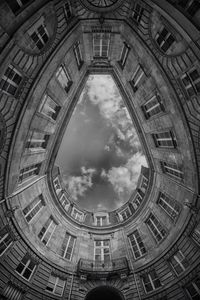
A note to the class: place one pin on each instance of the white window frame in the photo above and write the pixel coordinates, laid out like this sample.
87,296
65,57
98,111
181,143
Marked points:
100,45
124,54
78,54
34,30
124,211
151,282
77,214
67,10
178,262
192,83
153,108
10,81
156,228
26,267
164,39
102,247
37,141
165,136
62,71
163,199
139,70
40,200
51,224
169,169
197,289
137,15
137,200
64,202
2,238
67,245
48,107
55,185
31,171
137,244
55,285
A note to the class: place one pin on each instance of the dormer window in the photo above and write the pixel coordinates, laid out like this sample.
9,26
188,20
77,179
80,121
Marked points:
164,39
101,219
10,81
39,34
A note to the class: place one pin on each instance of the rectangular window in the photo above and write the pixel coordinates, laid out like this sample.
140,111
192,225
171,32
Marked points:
193,290
39,34
15,5
196,234
102,250
191,82
137,200
57,185
67,246
179,262
77,215
101,221
64,78
144,183
29,171
49,107
137,244
47,230
55,285
172,169
37,140
137,12
33,208
151,281
124,55
165,139
152,107
26,267
156,228
12,292
64,202
137,78
169,205
101,42
190,6
10,81
68,10
5,240
78,54
164,39
124,214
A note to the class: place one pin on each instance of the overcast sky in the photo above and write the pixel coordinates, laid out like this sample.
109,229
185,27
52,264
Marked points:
100,156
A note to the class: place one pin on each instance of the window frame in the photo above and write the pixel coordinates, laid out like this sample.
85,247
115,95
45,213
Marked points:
174,214
102,247
46,99
124,55
34,30
29,172
151,281
46,228
136,80
161,231
62,68
165,40
9,81
179,263
26,266
153,108
57,278
3,237
191,88
78,54
101,36
67,237
170,170
137,244
165,139
125,209
40,203
136,15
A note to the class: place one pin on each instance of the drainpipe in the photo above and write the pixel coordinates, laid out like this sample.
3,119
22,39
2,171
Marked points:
71,285
130,260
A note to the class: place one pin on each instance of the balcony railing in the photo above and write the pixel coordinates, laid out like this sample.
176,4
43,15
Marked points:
98,269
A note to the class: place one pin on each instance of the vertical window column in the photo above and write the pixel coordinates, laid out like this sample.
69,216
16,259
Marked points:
137,244
47,230
191,82
155,228
39,34
101,42
33,208
67,246
37,140
102,250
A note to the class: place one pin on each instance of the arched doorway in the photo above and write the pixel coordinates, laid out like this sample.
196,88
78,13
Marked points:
105,293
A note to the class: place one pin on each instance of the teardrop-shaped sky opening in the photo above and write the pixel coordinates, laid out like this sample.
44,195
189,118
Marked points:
100,156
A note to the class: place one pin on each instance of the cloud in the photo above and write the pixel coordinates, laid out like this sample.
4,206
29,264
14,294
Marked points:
78,185
124,178
107,148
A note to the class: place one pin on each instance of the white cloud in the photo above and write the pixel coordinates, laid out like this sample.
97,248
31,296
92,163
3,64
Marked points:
107,148
78,185
124,178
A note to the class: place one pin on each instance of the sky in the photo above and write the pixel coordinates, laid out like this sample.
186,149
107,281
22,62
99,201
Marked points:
100,156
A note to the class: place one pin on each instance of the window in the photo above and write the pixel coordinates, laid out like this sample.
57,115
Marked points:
190,6
67,246
124,55
77,215
33,208
49,107
151,281
5,240
101,42
68,10
64,202
172,169
26,267
164,39
138,77
64,78
12,292
137,12
155,228
15,5
55,285
29,171
78,54
10,81
179,262
193,289
137,244
152,107
101,220
102,250
191,82
144,183
124,214
37,140
165,139
137,200
196,234
47,230
39,34
169,205
57,185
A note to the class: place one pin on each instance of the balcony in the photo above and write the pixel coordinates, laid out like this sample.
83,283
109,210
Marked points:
90,269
